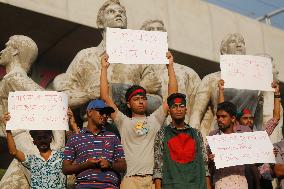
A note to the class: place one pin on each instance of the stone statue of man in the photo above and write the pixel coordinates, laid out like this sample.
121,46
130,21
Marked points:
17,58
188,79
206,100
82,78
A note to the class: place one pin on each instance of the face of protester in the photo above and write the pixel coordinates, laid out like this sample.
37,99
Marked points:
246,120
115,17
155,26
224,120
177,111
42,140
138,104
236,46
98,118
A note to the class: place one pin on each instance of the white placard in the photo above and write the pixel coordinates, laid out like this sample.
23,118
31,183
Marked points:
241,148
38,110
246,72
128,46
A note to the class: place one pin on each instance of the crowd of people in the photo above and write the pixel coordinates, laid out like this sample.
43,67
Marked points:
140,150
145,153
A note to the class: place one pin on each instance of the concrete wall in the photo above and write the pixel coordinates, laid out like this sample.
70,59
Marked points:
195,27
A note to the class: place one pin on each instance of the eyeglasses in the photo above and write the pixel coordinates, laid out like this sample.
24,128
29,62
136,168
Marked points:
102,113
175,106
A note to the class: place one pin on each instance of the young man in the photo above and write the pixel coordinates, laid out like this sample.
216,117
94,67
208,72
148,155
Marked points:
95,155
138,132
46,167
228,177
179,151
245,117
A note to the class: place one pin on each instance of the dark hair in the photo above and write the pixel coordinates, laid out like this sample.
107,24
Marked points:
34,133
228,107
176,95
131,89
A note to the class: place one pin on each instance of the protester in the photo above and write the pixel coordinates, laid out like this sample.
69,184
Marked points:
245,118
45,168
94,154
138,131
229,177
278,169
179,153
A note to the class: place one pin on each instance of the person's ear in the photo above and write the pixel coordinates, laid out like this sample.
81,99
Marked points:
128,104
234,119
88,113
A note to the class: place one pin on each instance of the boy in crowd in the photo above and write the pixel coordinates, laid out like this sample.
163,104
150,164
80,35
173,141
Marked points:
45,168
178,150
94,154
229,177
138,131
245,118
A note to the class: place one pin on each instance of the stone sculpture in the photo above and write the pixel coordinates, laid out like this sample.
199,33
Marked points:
17,58
82,78
188,79
206,100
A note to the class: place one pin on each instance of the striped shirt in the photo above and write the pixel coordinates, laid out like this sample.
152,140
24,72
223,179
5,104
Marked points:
85,145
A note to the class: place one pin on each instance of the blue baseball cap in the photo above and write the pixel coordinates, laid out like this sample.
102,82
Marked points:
99,105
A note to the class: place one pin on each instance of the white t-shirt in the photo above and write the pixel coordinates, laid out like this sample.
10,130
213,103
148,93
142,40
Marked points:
137,138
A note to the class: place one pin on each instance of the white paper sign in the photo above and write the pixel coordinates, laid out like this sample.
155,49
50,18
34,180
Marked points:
241,148
128,46
246,72
38,110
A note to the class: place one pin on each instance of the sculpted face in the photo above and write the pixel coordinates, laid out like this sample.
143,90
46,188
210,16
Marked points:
236,46
114,17
155,26
6,55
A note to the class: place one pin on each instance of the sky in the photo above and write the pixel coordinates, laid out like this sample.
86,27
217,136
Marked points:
254,8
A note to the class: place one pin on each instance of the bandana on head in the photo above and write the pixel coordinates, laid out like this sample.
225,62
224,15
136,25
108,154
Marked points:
176,98
243,112
136,92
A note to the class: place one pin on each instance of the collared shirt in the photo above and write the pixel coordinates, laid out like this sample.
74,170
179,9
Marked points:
46,174
159,149
84,145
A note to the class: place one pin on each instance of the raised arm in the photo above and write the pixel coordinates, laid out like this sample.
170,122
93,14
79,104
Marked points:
221,97
277,99
104,90
19,155
72,122
272,123
173,85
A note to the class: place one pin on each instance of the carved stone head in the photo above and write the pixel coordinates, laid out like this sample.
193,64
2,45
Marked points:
153,25
21,47
233,44
275,71
112,14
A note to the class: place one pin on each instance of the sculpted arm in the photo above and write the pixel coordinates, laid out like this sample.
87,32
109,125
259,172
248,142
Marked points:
201,102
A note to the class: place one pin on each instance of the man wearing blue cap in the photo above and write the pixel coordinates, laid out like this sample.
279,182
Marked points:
94,154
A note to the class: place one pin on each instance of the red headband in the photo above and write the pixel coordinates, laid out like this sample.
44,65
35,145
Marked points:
177,100
135,93
246,111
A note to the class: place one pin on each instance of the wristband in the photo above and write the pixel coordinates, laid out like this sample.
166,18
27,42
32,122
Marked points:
277,96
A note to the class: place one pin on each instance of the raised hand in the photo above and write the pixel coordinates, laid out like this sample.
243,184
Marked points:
104,61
